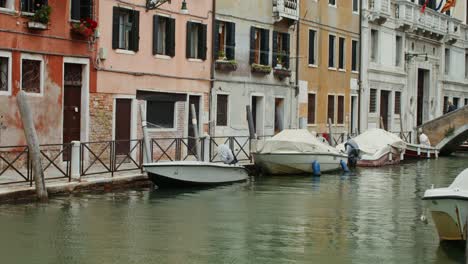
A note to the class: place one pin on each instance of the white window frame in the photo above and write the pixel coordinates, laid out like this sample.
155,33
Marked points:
335,67
316,49
228,117
315,112
377,53
358,7
10,7
333,5
155,129
27,56
7,54
358,56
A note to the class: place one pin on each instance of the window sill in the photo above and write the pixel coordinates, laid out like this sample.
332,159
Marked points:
355,13
311,125
8,11
341,70
334,6
155,130
331,69
195,60
356,72
124,51
5,93
313,66
162,57
33,94
27,14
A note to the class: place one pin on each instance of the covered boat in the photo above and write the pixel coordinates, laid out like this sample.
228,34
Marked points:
449,208
294,152
420,151
377,148
194,173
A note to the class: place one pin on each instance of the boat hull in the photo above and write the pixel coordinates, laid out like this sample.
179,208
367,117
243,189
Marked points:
292,163
193,174
389,158
420,152
449,215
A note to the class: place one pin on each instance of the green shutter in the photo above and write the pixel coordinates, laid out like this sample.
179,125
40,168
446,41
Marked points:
216,40
136,30
286,46
189,41
231,41
252,45
202,47
170,37
275,49
155,34
115,27
265,47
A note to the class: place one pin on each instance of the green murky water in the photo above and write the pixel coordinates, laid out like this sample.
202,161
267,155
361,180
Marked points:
372,217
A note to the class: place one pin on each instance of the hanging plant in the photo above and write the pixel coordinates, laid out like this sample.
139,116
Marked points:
86,27
42,15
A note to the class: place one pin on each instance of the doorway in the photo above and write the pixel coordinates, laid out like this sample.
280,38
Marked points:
123,117
423,78
384,96
279,115
71,105
257,113
195,100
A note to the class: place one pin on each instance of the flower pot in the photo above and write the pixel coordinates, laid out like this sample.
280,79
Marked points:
36,25
223,65
282,73
261,69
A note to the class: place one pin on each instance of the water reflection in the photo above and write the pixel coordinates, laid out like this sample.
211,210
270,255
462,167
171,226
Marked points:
371,216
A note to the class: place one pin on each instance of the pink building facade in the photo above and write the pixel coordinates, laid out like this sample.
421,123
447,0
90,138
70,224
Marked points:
159,58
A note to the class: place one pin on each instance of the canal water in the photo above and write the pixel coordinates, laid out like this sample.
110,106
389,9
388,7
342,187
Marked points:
370,217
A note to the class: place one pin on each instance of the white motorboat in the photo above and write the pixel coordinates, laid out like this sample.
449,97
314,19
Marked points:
194,173
449,208
294,152
378,147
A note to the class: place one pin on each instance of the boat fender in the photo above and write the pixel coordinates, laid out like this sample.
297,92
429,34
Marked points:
344,166
316,168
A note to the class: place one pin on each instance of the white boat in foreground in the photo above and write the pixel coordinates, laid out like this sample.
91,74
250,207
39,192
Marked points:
194,173
294,152
449,208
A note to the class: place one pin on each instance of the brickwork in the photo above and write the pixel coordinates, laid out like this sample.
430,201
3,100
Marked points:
100,115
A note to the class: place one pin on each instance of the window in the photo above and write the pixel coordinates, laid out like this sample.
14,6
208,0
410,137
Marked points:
341,58
312,47
331,109
374,44
354,55
279,114
281,49
466,64
5,73
222,110
196,41
8,4
32,5
311,109
332,2
31,75
445,106
466,101
447,61
81,9
397,103
225,40
331,51
259,46
398,50
160,114
340,109
163,36
125,29
356,6
456,102
373,101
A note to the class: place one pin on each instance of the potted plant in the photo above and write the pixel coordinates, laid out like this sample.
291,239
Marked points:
41,18
281,71
86,27
261,69
226,65
221,55
279,62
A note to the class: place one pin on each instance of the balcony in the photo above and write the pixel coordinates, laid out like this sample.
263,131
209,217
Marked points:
454,30
379,11
288,9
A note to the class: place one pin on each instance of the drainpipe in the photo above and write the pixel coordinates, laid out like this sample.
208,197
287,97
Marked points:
210,99
360,67
298,23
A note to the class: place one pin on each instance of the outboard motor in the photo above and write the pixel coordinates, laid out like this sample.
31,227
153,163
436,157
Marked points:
353,153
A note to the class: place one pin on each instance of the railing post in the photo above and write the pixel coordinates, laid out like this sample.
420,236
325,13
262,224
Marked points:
206,148
75,161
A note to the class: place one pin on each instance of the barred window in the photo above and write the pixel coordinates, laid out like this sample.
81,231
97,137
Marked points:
340,109
311,109
373,101
397,103
331,108
31,75
4,85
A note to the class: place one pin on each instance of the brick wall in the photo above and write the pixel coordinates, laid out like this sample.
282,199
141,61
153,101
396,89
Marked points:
100,115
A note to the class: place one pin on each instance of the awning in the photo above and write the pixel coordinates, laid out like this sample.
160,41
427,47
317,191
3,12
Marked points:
160,97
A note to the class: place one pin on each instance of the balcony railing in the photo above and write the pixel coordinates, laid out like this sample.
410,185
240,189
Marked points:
286,9
379,10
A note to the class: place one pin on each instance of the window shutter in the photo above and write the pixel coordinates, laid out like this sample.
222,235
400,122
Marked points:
75,9
86,8
202,41
312,47
189,40
155,34
216,40
115,27
265,47
231,41
136,30
170,37
286,46
252,45
274,61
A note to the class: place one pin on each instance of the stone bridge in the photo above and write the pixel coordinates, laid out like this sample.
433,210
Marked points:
449,131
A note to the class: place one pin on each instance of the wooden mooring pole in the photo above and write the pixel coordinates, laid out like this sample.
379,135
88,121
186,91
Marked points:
33,146
330,132
195,131
250,123
146,141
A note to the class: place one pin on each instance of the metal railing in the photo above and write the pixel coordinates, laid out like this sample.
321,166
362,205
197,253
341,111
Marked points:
240,146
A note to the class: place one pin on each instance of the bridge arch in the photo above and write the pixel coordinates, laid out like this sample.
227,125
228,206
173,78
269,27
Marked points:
449,144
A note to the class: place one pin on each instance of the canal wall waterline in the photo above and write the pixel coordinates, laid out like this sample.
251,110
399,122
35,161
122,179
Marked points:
26,193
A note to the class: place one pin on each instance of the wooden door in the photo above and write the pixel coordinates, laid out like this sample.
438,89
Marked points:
195,100
123,113
71,116
384,108
420,98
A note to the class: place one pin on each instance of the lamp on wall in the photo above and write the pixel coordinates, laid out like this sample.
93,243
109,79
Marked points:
153,4
183,9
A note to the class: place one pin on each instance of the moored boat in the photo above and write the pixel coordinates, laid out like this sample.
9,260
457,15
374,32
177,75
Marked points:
420,151
449,208
294,152
377,147
194,173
